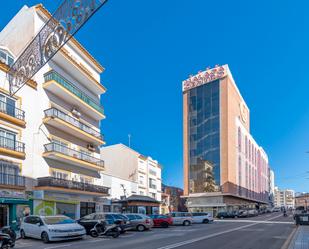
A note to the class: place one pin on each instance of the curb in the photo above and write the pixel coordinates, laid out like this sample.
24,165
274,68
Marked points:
291,237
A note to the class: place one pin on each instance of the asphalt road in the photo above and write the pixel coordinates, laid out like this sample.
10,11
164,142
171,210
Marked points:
268,231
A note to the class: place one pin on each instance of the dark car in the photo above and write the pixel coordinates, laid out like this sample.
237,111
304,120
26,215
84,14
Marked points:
90,220
223,215
160,220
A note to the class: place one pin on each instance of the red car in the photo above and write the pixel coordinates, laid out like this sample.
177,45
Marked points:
160,220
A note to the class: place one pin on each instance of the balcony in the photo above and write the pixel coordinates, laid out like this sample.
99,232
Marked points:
65,154
71,186
73,126
64,89
12,181
12,148
12,114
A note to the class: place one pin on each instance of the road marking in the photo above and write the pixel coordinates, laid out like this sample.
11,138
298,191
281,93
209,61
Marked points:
258,221
53,247
211,235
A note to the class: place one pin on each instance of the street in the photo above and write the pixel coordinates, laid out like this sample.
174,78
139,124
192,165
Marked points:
268,231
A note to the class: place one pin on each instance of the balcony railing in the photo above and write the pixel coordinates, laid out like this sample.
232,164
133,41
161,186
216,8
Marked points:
12,144
14,180
56,147
52,75
62,183
53,112
11,110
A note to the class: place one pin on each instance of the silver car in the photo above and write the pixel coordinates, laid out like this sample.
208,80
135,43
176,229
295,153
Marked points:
181,218
140,222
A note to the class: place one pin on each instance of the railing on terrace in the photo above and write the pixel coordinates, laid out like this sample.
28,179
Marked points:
14,180
11,110
53,112
52,75
68,184
56,147
12,144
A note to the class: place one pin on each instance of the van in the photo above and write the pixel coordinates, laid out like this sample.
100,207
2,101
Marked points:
181,218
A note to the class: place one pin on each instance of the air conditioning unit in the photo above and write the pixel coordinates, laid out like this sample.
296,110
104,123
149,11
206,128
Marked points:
75,112
91,147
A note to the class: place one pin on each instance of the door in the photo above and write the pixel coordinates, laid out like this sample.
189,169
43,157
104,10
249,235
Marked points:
3,215
32,228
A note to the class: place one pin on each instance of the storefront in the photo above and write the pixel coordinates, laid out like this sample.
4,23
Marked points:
69,204
13,207
139,204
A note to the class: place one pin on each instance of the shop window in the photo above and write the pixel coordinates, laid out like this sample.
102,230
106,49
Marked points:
87,208
66,209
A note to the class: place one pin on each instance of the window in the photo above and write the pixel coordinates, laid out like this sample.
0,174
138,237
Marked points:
239,139
7,105
152,183
152,172
60,175
246,147
153,195
7,139
61,146
6,58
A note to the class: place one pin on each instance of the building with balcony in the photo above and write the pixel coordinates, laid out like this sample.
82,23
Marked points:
284,198
224,167
54,121
12,148
128,164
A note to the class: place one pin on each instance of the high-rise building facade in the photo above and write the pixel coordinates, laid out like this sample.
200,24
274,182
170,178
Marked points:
55,135
224,167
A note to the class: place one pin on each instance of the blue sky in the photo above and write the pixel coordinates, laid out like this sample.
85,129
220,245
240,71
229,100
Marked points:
149,47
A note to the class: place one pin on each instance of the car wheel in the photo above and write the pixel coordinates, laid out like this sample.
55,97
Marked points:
186,223
164,225
221,217
140,228
206,221
5,247
45,237
93,234
22,234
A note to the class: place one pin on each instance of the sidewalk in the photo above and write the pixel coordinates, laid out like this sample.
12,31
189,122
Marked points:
301,238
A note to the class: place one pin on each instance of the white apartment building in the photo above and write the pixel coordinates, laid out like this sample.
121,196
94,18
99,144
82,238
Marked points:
272,187
126,163
54,131
284,198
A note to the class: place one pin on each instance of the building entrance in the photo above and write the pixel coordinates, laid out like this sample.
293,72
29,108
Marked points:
4,215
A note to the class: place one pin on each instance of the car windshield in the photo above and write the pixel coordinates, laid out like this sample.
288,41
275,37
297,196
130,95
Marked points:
58,220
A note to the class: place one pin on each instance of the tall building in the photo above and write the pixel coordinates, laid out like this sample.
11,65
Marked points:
272,187
175,202
55,135
126,163
224,167
284,198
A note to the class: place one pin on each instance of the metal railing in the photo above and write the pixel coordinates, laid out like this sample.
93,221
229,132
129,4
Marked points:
52,75
12,144
14,180
11,110
56,147
68,184
53,112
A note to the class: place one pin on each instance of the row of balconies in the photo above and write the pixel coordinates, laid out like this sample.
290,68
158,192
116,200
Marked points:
19,182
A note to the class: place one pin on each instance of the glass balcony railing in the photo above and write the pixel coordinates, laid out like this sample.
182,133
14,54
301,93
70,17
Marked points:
68,184
52,75
14,180
56,147
12,144
11,110
53,112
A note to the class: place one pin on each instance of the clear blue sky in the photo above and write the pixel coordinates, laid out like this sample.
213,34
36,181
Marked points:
149,47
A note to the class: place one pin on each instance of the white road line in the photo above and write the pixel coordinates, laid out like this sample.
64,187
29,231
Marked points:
257,221
211,235
53,247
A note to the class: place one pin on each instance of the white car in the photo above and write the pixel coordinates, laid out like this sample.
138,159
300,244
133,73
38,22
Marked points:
200,217
51,228
181,218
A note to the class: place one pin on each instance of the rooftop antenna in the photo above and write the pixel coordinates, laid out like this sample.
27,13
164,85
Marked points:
129,137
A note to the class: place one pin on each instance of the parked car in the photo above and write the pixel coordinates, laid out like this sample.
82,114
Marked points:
252,212
51,228
224,214
181,218
200,217
242,214
140,222
276,209
89,221
161,220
